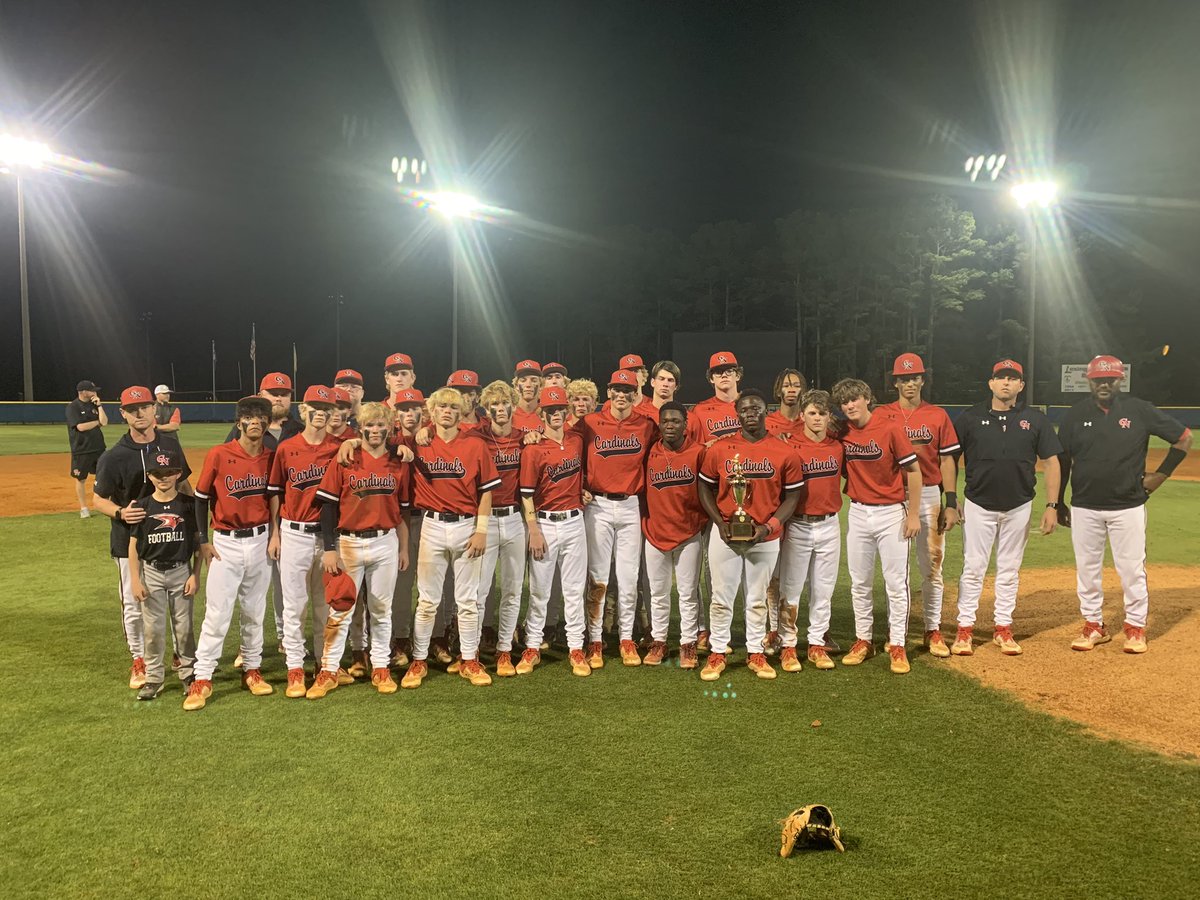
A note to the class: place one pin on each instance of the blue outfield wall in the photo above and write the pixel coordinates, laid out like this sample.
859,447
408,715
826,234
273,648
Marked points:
55,413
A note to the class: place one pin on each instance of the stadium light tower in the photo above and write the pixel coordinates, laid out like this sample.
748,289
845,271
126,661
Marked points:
1033,196
18,154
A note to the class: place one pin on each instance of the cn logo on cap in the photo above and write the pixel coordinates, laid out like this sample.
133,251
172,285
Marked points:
552,397
722,358
162,459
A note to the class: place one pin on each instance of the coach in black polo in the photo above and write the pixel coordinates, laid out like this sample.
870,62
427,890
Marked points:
1104,440
1001,440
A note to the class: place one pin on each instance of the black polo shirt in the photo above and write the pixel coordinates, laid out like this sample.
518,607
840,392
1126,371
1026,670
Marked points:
168,533
288,428
80,412
121,478
1001,450
1107,449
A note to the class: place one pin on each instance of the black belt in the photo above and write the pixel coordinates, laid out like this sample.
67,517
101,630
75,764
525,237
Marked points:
448,517
370,533
503,510
305,527
243,532
808,520
558,516
611,496
860,503
165,566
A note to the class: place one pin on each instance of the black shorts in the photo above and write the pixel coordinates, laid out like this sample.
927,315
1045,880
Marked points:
83,465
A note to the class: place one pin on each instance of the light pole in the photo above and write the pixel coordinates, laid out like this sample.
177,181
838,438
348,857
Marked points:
1033,195
338,301
15,154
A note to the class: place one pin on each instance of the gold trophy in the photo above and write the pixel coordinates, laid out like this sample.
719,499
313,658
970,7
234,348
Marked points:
741,526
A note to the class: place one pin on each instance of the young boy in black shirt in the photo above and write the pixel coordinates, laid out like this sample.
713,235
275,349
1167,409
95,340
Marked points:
163,569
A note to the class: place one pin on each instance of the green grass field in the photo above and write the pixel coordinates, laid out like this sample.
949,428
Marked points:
629,783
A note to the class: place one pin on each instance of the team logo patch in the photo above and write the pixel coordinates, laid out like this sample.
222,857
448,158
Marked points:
168,521
628,446
372,484
907,364
722,358
753,468
672,477
136,395
162,459
1025,424
1124,423
561,471
249,486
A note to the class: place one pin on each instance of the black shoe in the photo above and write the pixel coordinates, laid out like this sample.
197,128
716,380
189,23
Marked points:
149,690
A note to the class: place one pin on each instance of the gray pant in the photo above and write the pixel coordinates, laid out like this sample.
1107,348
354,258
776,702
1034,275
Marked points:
166,603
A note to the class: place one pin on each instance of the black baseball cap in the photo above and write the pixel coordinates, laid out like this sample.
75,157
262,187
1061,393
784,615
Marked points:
164,459
85,386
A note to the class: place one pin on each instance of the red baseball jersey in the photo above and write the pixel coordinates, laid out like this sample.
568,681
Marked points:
506,456
778,423
672,512
235,486
873,457
822,465
369,492
344,436
552,473
616,451
771,466
647,409
450,477
712,418
930,431
526,421
296,473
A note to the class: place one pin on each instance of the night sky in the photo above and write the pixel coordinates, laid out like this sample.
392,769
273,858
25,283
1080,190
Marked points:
249,146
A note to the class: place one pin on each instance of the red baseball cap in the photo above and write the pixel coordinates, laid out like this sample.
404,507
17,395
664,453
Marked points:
631,361
554,368
722,359
404,398
136,396
463,378
527,367
1099,367
275,381
348,376
398,361
340,592
319,393
623,378
341,398
1008,365
552,398
908,364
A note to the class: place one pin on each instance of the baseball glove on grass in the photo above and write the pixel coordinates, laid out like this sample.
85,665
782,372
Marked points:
810,824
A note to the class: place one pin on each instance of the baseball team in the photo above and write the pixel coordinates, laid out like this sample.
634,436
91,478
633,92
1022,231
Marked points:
605,509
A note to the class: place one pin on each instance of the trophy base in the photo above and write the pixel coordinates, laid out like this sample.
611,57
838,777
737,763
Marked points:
741,529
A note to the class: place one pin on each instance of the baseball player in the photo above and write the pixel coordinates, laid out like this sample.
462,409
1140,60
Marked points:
773,471
120,480
929,430
167,416
812,544
717,417
163,571
672,522
527,379
506,530
364,532
631,362
276,388
552,498
876,452
340,428
582,395
85,418
554,374
453,479
615,445
1104,440
295,543
398,375
466,382
1001,443
351,382
789,385
233,484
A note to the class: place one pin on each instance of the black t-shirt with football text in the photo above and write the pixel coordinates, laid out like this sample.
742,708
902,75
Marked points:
168,533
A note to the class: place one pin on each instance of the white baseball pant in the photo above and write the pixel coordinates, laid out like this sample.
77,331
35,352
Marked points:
302,588
505,550
444,546
748,568
931,549
683,563
402,597
1007,530
277,598
614,526
567,552
1125,531
371,563
131,611
878,531
811,554
239,578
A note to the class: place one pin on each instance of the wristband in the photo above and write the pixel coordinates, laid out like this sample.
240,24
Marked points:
1173,458
481,524
1053,504
951,500
117,515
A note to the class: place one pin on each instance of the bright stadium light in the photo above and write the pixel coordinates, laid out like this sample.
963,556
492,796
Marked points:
1035,193
17,152
454,204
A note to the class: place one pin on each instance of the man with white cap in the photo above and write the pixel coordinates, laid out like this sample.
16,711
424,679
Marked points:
166,414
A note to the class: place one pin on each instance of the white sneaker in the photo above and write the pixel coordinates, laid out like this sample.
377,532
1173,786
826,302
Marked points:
84,513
